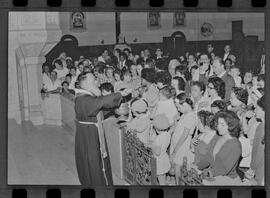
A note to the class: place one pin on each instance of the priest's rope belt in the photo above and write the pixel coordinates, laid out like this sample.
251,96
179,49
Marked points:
101,136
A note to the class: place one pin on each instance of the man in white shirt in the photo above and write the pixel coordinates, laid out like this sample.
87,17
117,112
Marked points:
227,50
53,84
104,56
220,71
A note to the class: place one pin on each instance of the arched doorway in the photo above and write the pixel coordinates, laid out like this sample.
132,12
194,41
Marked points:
174,45
179,42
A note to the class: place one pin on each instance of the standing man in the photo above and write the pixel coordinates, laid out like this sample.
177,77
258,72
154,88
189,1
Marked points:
220,71
210,49
91,153
227,50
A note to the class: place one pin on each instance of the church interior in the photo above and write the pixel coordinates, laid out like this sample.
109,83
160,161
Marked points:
41,132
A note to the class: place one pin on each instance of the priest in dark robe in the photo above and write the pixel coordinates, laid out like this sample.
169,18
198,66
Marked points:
91,152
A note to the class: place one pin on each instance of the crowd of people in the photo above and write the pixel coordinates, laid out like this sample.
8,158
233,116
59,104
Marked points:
200,106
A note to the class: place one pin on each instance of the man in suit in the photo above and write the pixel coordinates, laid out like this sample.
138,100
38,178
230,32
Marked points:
220,71
227,50
210,49
124,63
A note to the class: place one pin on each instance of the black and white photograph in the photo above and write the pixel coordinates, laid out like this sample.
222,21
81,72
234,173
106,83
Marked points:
121,103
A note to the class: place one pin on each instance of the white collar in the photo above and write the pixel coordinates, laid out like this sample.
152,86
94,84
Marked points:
221,75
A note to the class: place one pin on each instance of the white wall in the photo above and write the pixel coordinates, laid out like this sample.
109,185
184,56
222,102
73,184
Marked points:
33,34
99,26
134,25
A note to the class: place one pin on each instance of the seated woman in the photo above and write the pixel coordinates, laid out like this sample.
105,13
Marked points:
203,141
223,156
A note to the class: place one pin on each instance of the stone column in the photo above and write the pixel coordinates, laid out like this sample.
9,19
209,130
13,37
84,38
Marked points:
31,36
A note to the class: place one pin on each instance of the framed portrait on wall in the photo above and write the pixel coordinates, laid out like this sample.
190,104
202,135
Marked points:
153,20
78,21
179,19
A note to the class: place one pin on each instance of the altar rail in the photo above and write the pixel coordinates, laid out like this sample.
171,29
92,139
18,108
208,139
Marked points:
138,161
130,159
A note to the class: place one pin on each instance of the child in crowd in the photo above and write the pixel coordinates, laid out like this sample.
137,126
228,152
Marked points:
166,104
160,145
141,120
106,89
235,73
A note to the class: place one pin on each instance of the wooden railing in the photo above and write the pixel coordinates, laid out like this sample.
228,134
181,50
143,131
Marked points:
138,161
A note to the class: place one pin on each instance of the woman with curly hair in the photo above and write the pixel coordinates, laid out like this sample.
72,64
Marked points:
218,105
215,89
223,156
238,100
203,141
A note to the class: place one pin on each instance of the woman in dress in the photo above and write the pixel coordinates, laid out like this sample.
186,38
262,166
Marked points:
223,156
91,153
202,141
181,137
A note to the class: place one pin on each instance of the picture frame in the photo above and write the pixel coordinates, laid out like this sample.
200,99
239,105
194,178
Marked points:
179,19
78,22
154,20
